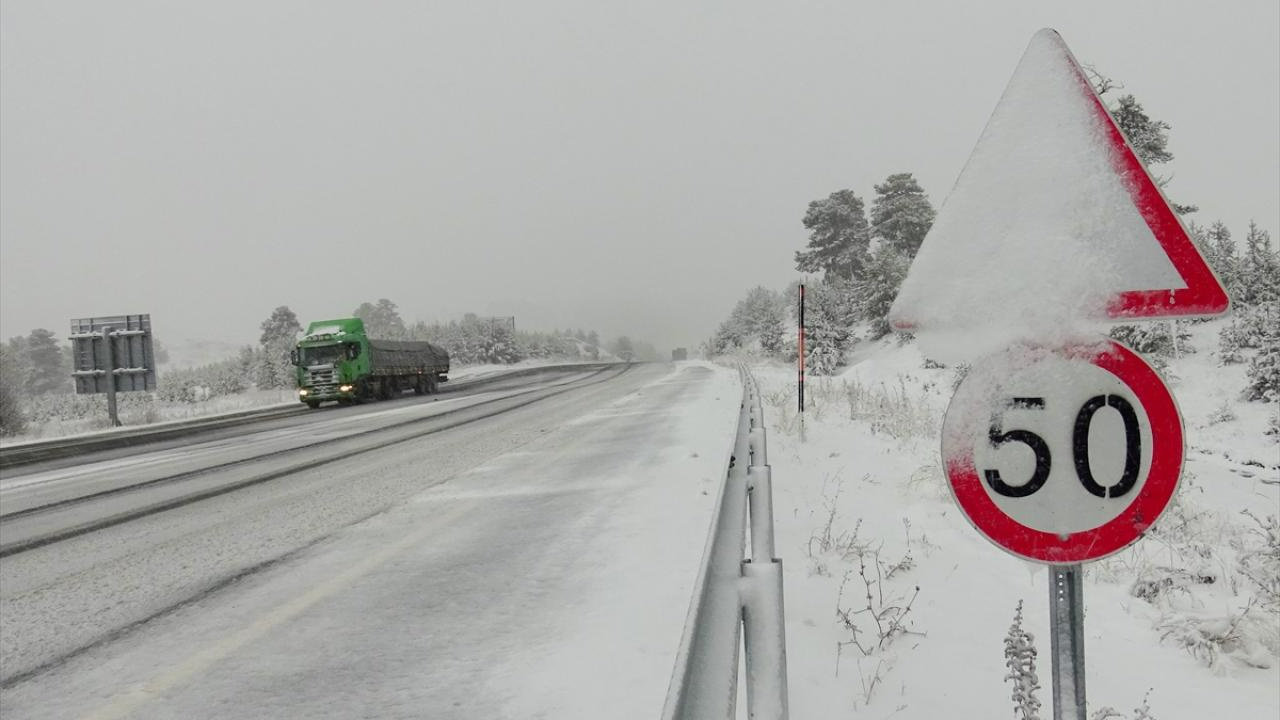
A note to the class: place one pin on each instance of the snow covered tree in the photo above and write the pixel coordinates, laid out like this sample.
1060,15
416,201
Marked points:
1259,268
623,348
381,320
1154,340
47,371
159,350
758,322
1219,251
876,292
1264,376
12,420
282,326
1250,327
831,310
1148,137
901,214
839,236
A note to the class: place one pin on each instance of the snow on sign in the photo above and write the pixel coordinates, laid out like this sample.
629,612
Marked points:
1054,215
1063,455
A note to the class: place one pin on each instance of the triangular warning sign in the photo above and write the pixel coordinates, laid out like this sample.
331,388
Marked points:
1054,215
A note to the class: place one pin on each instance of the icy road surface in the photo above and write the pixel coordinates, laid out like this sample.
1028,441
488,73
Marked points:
537,563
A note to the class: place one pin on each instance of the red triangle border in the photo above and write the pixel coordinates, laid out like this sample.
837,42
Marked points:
1204,294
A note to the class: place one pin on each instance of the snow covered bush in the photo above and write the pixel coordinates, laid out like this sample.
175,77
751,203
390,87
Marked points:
1213,638
893,411
1252,327
1264,376
1154,341
1259,560
1020,658
1142,712
12,421
1223,413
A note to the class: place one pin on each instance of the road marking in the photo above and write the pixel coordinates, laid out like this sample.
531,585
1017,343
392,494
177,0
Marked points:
126,704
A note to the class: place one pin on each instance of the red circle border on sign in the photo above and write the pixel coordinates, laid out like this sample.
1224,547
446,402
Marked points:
1126,528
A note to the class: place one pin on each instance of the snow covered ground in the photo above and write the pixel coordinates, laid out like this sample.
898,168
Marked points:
860,491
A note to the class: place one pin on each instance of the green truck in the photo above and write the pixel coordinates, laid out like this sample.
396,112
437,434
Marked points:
336,360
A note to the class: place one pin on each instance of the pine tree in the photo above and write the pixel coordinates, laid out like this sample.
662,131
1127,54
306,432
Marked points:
1259,268
901,214
876,293
1148,137
48,373
1221,253
623,348
838,236
829,317
281,326
382,320
12,420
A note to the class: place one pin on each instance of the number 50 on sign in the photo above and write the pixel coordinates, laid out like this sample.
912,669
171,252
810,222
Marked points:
1063,455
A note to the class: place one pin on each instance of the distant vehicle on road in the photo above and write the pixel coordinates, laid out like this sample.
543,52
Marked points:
679,354
336,360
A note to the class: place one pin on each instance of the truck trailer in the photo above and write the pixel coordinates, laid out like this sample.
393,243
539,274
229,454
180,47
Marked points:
336,360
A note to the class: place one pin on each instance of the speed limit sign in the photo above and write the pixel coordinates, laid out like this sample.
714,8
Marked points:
1063,455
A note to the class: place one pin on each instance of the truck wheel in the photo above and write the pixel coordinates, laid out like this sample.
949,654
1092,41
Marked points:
313,404
420,387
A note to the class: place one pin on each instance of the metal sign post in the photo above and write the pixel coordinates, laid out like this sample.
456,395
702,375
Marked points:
112,408
1066,639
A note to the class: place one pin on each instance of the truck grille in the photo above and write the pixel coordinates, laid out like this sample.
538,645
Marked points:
320,376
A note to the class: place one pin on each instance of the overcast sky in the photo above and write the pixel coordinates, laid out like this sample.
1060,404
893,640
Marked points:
628,167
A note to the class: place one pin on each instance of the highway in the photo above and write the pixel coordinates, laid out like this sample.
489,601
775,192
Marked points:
518,548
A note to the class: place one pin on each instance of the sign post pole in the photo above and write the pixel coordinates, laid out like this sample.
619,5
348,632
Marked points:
1066,638
108,353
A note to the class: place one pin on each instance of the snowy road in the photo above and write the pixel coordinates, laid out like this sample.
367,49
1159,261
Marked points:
533,563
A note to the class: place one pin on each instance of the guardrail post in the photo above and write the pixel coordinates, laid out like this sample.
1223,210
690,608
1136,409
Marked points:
760,498
765,640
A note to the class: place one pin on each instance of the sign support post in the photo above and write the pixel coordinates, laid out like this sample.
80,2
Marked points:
1066,639
112,408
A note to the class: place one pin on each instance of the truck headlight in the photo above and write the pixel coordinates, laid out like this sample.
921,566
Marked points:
345,388
302,392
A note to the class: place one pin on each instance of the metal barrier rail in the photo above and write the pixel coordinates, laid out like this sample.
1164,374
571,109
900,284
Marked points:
736,600
30,453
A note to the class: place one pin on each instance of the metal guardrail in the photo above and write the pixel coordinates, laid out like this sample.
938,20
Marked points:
44,450
29,453
737,600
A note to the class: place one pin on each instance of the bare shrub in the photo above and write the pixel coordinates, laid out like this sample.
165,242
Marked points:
890,410
1020,658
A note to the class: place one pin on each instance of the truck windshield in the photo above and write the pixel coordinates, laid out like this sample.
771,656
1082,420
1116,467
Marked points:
321,355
